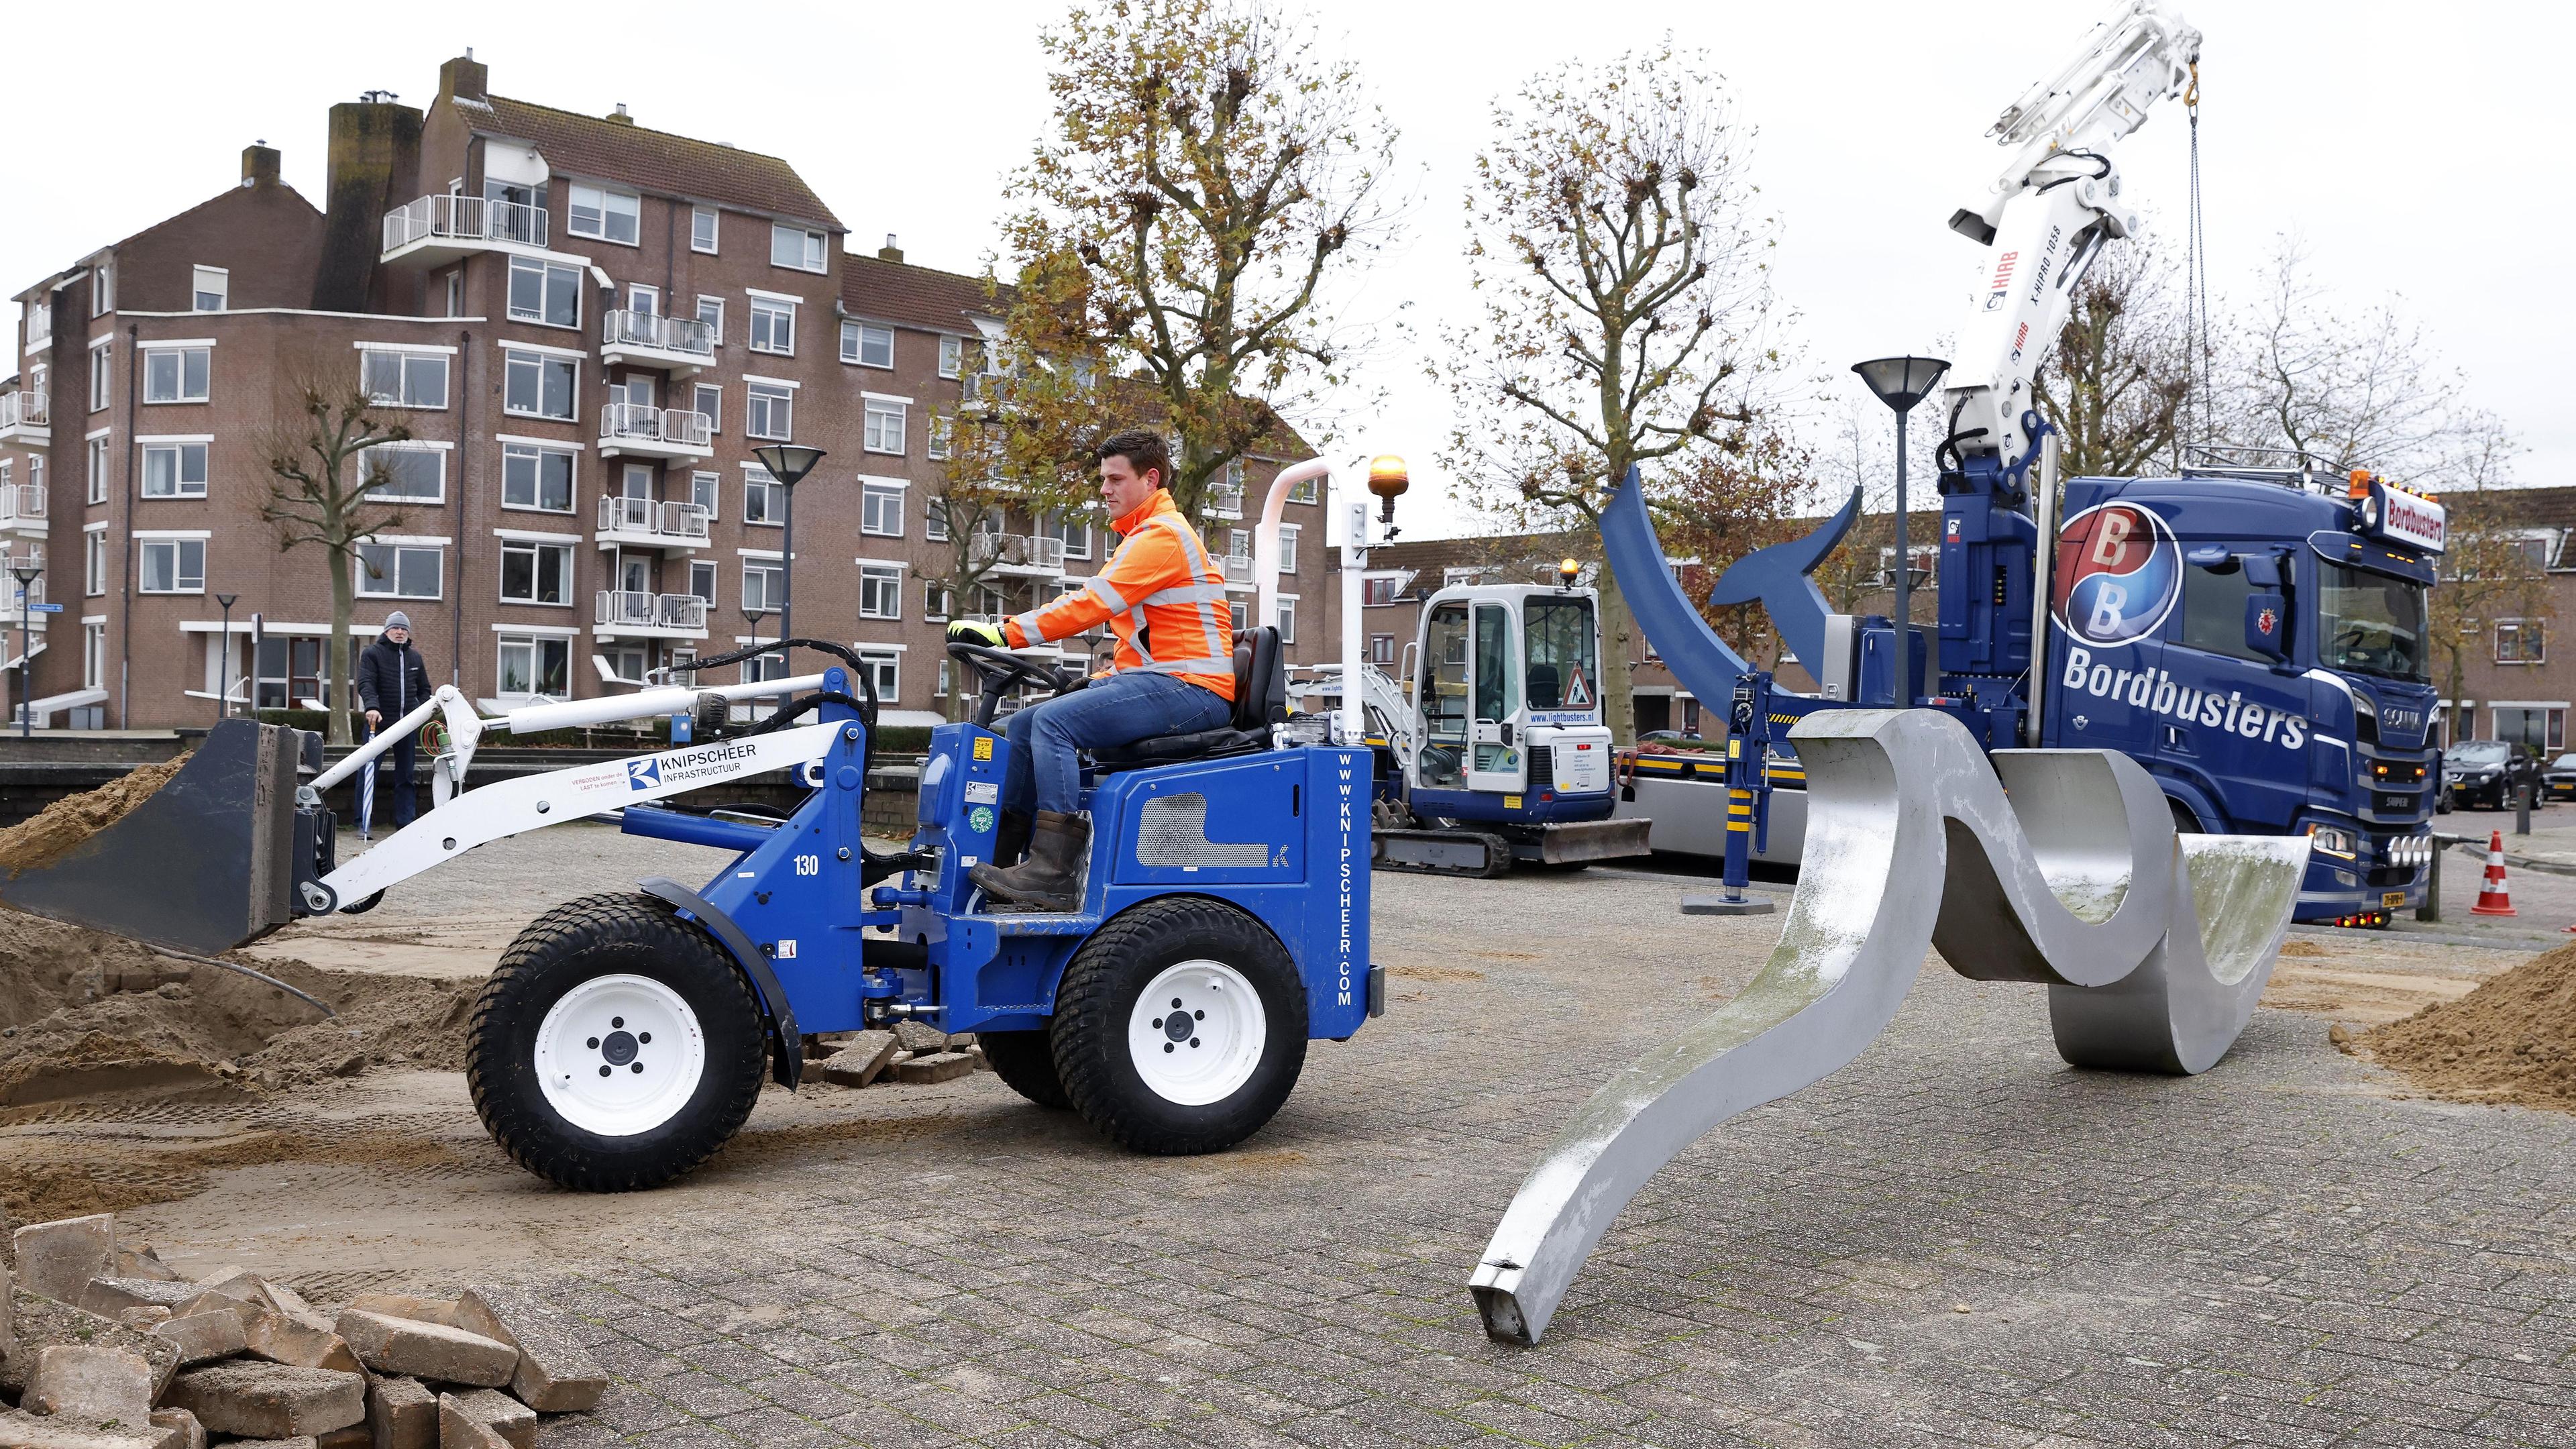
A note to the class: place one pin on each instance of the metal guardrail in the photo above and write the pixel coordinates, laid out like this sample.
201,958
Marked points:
465,218
686,521
642,423
629,609
1016,550
22,501
662,334
31,409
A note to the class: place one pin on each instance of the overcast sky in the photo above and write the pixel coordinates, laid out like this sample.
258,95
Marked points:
2419,150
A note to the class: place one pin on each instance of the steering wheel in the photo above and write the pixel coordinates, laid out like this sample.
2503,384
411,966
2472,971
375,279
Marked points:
1000,669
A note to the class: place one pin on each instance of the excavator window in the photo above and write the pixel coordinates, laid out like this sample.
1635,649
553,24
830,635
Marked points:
1558,637
1498,685
1444,697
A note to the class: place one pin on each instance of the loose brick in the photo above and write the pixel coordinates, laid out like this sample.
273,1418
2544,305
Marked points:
936,1067
862,1061
402,1414
42,1321
108,1297
275,1400
179,1429
147,1317
920,1037
356,1436
301,1340
59,1258
404,1305
90,1383
427,1350
22,1430
204,1337
142,1262
555,1375
490,1414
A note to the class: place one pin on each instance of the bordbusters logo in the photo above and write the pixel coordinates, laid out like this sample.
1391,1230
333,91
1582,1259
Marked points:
2157,692
2119,573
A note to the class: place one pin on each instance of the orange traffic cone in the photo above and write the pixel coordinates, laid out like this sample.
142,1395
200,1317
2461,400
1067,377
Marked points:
2492,898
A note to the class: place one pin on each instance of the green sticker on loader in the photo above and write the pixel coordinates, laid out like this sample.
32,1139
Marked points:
980,819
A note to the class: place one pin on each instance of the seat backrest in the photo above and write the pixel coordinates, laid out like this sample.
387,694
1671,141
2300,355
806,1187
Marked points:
1260,679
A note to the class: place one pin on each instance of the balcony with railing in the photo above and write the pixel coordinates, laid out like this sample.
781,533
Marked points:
25,417
1224,500
1017,553
13,614
650,523
628,614
22,508
676,345
644,431
440,228
1238,569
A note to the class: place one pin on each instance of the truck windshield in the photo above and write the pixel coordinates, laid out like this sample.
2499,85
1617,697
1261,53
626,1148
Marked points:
1559,634
2370,623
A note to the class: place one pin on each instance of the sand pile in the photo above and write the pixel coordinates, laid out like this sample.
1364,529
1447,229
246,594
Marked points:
2511,1040
42,838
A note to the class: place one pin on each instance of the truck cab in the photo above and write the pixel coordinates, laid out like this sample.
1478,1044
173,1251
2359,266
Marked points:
1507,688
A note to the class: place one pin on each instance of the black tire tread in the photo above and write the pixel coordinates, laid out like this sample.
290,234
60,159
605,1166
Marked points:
1025,1062
613,916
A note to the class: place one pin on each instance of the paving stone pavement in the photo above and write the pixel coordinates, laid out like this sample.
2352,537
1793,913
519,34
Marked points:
1956,1241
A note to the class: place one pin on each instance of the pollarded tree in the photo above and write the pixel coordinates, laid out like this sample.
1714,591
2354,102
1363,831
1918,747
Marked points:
1618,252
2118,383
1207,175
327,464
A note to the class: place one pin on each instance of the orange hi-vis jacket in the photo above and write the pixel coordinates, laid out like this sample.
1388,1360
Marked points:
1163,596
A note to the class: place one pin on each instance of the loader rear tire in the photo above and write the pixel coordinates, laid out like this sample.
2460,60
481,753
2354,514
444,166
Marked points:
1197,1077
617,983
1025,1061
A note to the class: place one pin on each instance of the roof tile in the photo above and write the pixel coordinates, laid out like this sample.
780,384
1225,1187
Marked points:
655,161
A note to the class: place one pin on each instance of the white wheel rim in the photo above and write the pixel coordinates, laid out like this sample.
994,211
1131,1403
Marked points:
1197,1033
620,1055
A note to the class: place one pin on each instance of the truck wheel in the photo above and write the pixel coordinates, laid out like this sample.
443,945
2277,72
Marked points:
1025,1062
616,1048
1180,1027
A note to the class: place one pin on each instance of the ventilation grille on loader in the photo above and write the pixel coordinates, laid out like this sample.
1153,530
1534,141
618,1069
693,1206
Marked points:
1172,831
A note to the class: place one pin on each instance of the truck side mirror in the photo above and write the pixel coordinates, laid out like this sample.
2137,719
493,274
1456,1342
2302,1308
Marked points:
2266,626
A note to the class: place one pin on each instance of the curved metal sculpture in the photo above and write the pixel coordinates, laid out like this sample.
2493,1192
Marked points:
2154,949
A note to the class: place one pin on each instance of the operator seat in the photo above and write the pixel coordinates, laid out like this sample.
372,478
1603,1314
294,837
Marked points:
1260,701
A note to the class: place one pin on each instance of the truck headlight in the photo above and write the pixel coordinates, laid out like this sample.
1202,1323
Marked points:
2332,839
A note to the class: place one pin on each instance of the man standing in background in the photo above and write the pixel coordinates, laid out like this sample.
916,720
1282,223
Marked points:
392,682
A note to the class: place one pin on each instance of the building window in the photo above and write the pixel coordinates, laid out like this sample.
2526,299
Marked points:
398,571
399,474
880,591
535,573
763,584
36,472
102,289
404,379
536,478
702,228
545,292
98,470
2520,641
456,293
1376,592
174,565
936,444
885,672
93,656
773,326
952,356
1302,491
935,598
1074,533
1287,621
212,290
884,430
94,551
2542,727
993,605
534,666
769,411
702,579
763,501
99,376
537,385
881,509
1239,612
176,374
605,214
643,300
40,318
865,345
174,470
1288,548
1381,649
794,246
705,491
708,399
711,312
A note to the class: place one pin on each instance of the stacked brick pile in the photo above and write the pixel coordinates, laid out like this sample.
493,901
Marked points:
913,1052
105,1347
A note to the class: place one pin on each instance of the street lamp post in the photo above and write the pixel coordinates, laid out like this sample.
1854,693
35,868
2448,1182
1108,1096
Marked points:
753,617
26,567
1901,382
788,463
224,676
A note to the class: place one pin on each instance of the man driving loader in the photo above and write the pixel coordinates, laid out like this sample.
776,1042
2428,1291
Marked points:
1163,596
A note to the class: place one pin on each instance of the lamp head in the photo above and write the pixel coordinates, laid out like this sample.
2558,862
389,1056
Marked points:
1566,571
1388,480
2358,484
788,462
25,564
1901,382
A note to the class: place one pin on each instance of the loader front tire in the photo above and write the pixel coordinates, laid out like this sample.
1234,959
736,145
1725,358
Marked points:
1180,1027
616,1048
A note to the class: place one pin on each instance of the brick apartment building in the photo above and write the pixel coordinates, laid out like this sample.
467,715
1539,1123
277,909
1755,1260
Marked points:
2511,689
587,326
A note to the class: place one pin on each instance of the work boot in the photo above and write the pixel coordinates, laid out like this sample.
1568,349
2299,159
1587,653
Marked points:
1051,878
1012,840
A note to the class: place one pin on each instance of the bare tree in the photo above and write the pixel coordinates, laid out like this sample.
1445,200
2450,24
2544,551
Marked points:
2119,379
1618,252
324,470
2493,569
1207,175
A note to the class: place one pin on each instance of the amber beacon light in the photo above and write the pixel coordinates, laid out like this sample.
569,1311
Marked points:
1388,480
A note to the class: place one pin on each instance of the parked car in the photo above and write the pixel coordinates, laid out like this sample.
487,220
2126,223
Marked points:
2487,772
2558,782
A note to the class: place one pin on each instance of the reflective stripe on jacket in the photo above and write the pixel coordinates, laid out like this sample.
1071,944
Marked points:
1162,595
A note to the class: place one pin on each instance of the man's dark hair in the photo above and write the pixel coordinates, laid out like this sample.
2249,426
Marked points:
1144,451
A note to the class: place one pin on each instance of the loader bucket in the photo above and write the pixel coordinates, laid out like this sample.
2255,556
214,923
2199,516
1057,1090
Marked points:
204,865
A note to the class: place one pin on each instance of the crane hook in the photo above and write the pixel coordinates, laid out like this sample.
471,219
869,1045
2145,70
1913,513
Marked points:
2191,93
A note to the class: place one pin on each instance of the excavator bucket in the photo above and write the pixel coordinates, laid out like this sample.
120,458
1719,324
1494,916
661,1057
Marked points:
206,864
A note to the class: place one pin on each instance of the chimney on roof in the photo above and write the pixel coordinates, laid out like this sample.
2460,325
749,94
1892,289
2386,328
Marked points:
464,79
374,166
619,117
259,164
890,252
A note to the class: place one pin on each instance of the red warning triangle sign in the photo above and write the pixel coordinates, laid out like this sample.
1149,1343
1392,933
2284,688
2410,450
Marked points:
1578,695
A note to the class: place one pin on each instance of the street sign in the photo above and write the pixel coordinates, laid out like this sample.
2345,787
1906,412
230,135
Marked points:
45,608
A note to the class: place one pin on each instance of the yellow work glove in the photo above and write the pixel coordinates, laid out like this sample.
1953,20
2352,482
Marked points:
976,631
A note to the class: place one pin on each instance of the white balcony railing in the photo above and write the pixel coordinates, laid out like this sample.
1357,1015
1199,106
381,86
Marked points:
685,335
22,503
1016,550
627,609
24,409
643,423
1238,568
686,521
465,219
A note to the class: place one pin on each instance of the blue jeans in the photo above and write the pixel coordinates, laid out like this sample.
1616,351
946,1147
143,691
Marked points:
1047,738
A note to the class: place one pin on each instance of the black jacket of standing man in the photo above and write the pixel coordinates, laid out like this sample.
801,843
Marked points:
392,682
